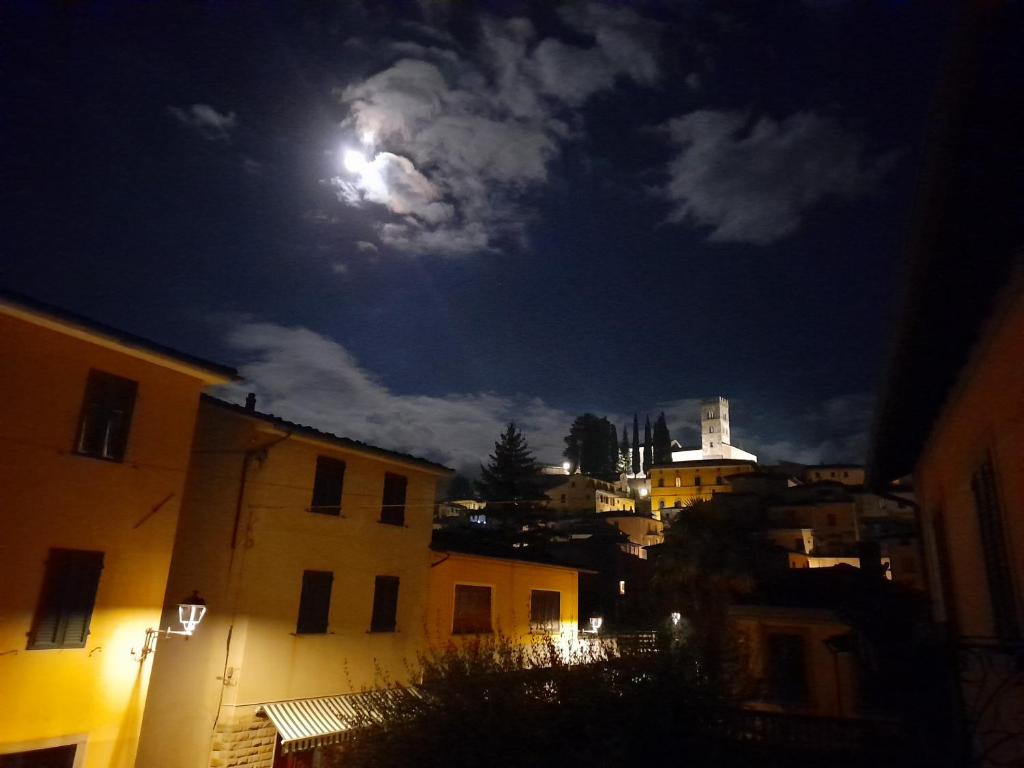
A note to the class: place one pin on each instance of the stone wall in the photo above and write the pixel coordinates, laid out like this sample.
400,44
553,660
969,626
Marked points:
246,740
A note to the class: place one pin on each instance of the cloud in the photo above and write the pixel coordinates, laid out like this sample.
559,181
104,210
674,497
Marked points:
305,377
207,121
755,181
365,247
468,135
832,430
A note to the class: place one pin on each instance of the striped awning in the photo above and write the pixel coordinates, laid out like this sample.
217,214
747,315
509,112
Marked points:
307,723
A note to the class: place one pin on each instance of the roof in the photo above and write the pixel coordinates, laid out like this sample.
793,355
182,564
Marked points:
39,313
448,550
965,235
704,463
326,437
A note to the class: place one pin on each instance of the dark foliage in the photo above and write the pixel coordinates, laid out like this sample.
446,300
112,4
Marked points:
636,445
593,447
662,441
510,476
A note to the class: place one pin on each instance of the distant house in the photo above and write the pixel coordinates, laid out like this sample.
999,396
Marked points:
585,493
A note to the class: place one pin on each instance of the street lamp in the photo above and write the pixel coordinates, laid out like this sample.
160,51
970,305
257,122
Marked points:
191,611
595,624
566,466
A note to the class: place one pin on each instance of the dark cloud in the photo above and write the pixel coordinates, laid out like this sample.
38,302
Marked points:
206,121
753,181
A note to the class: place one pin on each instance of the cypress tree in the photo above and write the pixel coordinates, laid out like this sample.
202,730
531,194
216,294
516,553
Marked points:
648,445
636,446
625,458
662,441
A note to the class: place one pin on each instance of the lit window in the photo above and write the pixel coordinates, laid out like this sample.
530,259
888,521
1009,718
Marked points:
472,610
106,416
327,483
679,482
622,587
66,601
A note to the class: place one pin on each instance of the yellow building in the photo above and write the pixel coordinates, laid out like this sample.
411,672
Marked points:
312,553
796,659
473,595
583,493
847,474
94,443
642,530
679,483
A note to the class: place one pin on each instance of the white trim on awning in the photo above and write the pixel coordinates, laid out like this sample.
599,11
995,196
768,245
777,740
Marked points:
308,723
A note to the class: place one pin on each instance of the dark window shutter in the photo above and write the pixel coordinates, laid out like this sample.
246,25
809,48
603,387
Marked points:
66,602
998,567
545,610
385,604
787,668
393,506
106,416
327,485
472,610
315,602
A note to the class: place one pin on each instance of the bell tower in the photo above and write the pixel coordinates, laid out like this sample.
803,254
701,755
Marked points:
714,427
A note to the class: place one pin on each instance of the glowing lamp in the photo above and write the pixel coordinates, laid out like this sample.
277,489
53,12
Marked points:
676,617
191,611
595,624
566,466
643,493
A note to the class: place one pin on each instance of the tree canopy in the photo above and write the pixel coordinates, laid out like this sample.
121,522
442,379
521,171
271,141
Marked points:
511,474
592,446
662,441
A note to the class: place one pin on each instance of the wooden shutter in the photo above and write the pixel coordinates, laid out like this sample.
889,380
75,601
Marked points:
66,602
393,505
998,567
327,485
315,602
545,611
472,610
385,604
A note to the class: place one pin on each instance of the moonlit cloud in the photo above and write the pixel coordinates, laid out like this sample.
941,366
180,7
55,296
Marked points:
305,377
463,136
754,181
205,120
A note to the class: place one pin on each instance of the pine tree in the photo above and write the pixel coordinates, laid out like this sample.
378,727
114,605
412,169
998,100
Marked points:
625,457
636,446
662,441
510,476
648,446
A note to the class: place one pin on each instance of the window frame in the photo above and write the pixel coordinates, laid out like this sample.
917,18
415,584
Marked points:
377,612
546,625
309,612
70,583
392,513
323,463
100,389
472,630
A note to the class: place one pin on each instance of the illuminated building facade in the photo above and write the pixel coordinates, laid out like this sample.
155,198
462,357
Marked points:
97,426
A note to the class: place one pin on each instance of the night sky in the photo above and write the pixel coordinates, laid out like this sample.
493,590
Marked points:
409,223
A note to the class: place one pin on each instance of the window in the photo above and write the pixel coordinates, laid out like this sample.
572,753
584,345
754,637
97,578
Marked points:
392,510
998,568
54,757
711,430
545,611
66,600
786,668
679,482
718,481
712,445
696,480
327,483
385,604
106,416
563,498
622,587
472,610
661,482
678,504
661,504
315,602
